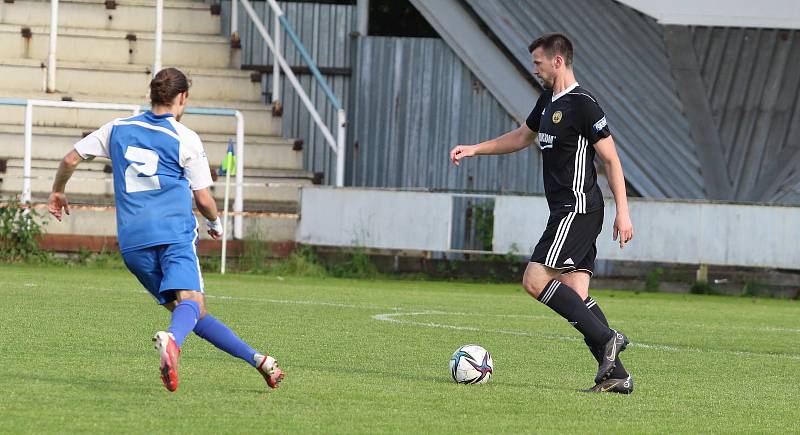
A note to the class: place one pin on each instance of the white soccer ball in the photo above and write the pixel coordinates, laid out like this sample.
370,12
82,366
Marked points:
471,364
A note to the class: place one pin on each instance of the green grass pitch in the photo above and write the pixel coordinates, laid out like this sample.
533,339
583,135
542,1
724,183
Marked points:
371,356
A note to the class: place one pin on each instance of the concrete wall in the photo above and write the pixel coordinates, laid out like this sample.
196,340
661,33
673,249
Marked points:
781,14
665,231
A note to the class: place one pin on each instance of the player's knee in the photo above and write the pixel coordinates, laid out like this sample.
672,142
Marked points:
185,295
533,286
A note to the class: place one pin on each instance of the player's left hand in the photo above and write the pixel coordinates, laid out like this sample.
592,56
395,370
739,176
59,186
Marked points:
56,202
215,228
623,229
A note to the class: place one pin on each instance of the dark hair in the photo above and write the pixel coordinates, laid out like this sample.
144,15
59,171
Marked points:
552,44
168,83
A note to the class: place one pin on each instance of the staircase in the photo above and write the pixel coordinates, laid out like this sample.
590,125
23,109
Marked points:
105,54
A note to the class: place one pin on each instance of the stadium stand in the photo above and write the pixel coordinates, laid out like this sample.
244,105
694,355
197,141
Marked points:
105,54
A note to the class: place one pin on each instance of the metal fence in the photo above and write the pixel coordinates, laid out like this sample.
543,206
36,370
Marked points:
325,30
409,101
414,100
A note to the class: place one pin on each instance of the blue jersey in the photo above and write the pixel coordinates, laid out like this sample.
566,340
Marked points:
157,162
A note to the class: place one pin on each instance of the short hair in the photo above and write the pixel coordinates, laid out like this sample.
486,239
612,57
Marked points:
166,85
553,44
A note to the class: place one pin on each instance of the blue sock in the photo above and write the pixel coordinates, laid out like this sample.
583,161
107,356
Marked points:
218,334
184,319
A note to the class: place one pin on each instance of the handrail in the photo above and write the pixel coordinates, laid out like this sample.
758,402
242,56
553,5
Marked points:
51,56
159,36
238,204
50,87
338,144
307,57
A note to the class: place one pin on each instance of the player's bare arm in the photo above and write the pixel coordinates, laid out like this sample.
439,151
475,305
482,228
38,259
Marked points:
208,208
623,228
58,200
510,142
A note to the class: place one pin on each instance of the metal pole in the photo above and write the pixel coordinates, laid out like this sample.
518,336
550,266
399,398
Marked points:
225,227
51,58
287,70
238,203
234,21
340,148
26,165
362,9
276,67
159,31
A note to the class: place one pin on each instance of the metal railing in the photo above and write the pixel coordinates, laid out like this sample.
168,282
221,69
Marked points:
51,56
280,64
238,203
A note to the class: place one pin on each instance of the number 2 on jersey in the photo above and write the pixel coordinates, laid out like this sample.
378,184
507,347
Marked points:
143,162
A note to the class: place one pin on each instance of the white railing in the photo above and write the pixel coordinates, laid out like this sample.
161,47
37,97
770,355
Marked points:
51,56
238,203
50,85
159,36
280,64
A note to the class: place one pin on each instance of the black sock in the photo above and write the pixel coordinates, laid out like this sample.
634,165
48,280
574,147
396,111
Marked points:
619,370
565,301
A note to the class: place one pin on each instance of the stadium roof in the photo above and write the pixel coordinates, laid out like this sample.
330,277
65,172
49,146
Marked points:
663,86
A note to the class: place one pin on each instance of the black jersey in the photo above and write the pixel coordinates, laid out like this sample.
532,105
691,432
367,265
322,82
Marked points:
568,126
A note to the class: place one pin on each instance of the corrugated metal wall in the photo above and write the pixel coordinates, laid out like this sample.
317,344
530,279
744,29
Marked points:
752,80
410,101
324,30
620,57
414,101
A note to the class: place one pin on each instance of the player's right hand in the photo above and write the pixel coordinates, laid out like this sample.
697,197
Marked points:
56,202
460,152
215,228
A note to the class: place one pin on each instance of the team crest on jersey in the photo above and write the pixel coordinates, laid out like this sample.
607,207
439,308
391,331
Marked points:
557,117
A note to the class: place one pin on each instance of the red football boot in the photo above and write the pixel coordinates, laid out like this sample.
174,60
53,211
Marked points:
170,354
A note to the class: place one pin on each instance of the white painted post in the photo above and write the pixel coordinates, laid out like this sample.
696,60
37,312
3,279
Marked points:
26,162
225,227
159,31
340,146
276,67
238,203
51,57
234,20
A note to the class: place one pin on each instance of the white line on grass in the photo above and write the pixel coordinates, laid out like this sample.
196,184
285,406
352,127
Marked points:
392,317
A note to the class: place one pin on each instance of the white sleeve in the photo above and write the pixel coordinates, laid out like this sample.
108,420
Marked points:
194,162
95,144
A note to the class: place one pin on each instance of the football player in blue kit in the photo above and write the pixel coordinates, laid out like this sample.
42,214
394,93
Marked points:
159,166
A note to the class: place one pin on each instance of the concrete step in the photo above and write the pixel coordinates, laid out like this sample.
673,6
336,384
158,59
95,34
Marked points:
52,143
116,47
123,80
129,15
93,180
258,118
101,221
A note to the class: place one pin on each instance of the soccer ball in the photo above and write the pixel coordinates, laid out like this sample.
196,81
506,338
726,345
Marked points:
471,364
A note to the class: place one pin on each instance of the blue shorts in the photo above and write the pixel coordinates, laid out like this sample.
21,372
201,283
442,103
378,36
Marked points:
163,269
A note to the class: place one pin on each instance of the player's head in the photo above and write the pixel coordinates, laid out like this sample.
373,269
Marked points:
170,89
552,55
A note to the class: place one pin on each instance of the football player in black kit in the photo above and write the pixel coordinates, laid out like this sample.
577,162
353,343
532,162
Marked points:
571,129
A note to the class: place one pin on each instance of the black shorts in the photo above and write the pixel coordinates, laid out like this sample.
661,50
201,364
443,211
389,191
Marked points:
568,242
